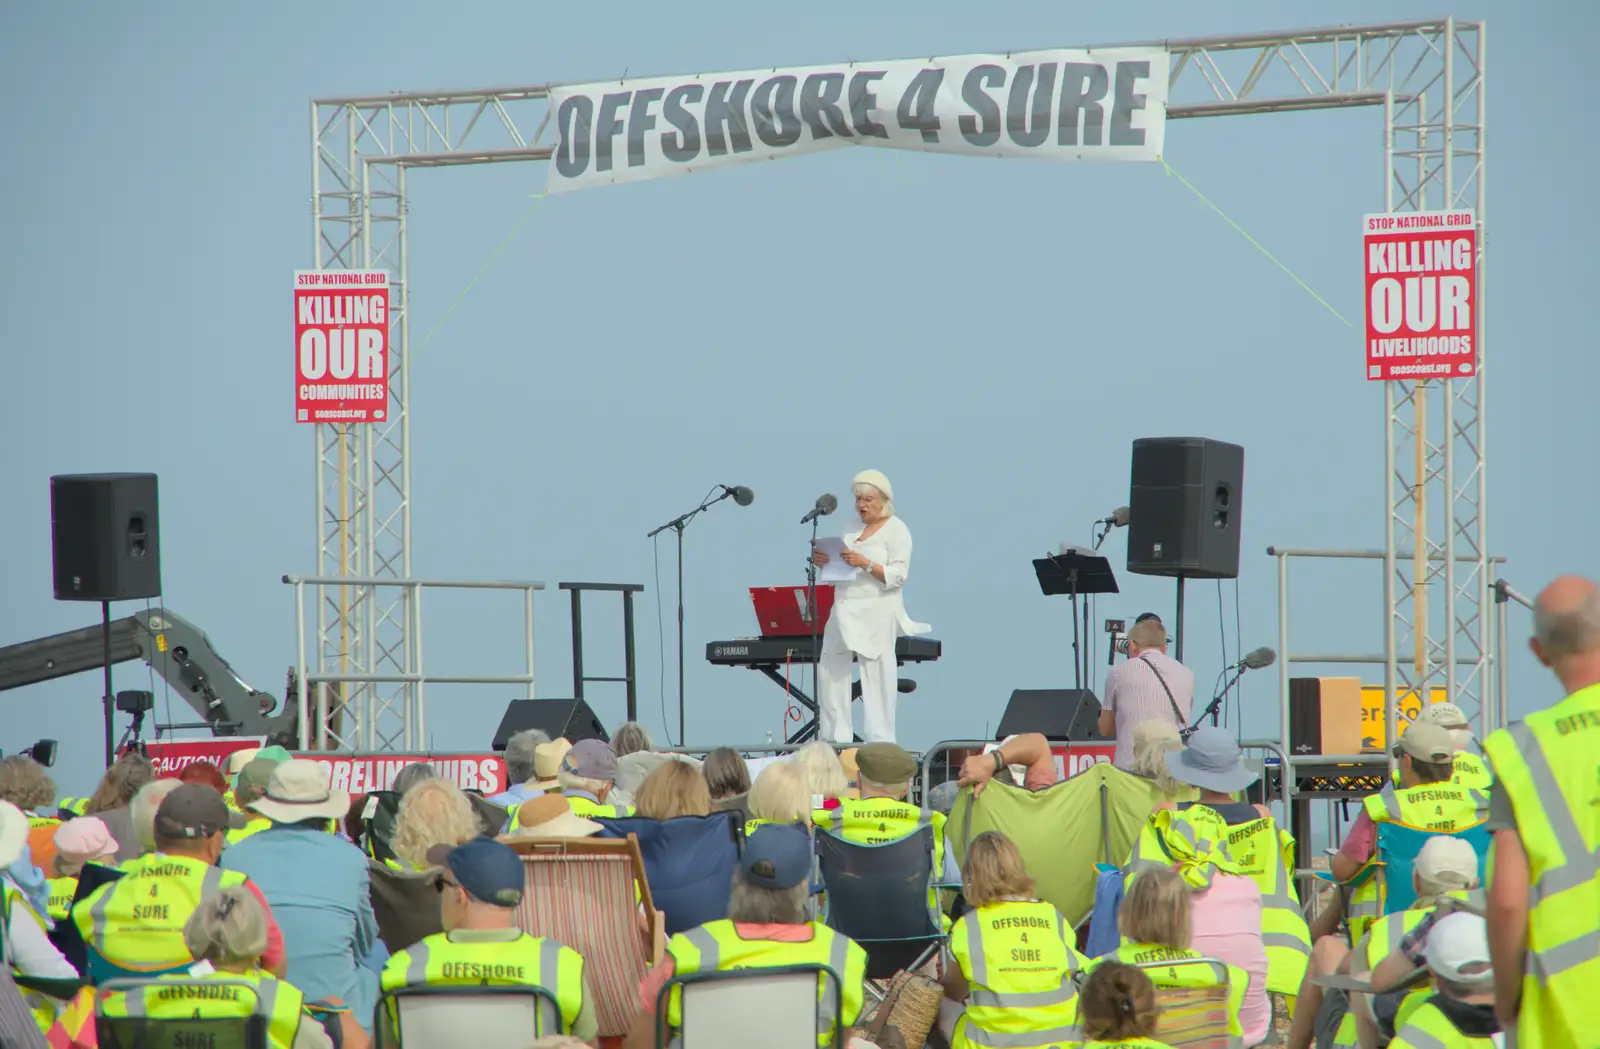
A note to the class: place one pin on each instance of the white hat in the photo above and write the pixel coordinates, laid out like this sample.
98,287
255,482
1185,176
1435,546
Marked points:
551,816
298,791
1447,863
1445,715
877,480
13,834
239,759
1458,949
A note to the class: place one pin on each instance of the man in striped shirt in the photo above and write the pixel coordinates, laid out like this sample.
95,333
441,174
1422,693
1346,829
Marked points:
1134,691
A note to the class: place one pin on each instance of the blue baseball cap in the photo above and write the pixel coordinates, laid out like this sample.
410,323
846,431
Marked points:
490,871
776,856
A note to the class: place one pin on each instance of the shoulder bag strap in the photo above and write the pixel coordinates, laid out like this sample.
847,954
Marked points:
1175,711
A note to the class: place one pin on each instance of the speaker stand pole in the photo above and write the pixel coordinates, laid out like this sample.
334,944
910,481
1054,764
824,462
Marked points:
1077,662
1086,674
110,697
1177,633
681,741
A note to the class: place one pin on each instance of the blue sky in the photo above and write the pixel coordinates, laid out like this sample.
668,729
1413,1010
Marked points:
1011,327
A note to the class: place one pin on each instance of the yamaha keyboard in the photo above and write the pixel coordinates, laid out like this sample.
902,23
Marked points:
773,656
776,651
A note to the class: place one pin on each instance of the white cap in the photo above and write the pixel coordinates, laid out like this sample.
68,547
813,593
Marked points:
1445,715
877,480
1458,949
1445,863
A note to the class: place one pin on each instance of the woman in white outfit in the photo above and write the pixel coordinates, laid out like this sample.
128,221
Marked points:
868,616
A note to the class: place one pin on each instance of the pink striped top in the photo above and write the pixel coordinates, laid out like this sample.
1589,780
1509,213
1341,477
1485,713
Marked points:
1134,694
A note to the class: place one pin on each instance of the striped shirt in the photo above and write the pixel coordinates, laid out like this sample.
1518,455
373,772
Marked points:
1134,694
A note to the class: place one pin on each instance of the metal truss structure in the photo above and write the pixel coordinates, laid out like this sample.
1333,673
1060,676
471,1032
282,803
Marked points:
1425,77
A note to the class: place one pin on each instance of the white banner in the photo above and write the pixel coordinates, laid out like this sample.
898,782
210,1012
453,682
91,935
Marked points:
1060,105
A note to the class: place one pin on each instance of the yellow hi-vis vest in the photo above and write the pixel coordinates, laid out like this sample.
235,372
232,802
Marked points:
136,922
1430,1028
76,806
878,821
1265,854
1193,842
216,996
1442,807
229,800
62,890
1547,767
1127,1043
1180,968
255,825
529,961
1019,962
1470,772
717,946
585,805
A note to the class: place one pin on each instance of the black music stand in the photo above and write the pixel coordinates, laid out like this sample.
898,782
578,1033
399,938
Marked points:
1076,571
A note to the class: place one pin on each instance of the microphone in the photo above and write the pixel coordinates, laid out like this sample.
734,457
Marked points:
1118,519
826,504
1255,659
741,495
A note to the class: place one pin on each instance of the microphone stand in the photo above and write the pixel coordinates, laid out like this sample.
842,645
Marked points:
1215,705
677,524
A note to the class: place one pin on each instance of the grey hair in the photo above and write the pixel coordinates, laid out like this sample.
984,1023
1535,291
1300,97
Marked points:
888,504
1569,631
883,790
823,771
631,738
757,903
411,775
1153,740
142,809
568,781
1149,634
227,929
519,754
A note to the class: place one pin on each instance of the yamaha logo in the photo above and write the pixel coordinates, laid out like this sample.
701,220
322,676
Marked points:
733,650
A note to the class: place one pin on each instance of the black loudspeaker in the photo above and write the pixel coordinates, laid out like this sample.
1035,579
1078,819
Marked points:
569,719
1071,714
1185,507
105,537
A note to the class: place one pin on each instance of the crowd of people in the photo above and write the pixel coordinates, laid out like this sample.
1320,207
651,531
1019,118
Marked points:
249,890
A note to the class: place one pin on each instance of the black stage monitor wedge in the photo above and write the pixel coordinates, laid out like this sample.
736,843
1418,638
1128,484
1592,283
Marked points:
1070,714
569,719
1185,500
104,537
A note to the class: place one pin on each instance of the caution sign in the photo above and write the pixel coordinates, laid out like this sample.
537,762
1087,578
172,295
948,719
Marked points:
341,346
1374,732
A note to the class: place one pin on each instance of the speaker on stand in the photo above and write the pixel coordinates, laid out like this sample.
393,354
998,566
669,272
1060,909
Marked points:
1185,503
105,546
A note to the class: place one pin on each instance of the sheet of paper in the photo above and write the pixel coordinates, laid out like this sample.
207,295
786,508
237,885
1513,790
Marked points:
835,571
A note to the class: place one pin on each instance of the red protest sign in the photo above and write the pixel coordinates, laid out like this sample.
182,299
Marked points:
341,346
172,756
1421,293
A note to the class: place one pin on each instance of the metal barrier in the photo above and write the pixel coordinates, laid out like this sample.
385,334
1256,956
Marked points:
409,704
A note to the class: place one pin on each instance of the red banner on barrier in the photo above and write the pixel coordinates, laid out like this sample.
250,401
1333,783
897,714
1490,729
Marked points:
1076,758
363,773
171,756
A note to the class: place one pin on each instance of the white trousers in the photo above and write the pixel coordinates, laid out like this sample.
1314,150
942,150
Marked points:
880,678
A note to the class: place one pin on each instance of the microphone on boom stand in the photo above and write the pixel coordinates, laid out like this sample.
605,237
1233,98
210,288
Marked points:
739,494
1255,659
826,504
1119,519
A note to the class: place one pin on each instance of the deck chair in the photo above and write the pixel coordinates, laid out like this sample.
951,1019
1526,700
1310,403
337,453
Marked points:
688,861
1192,1017
589,894
878,895
143,1032
775,1008
406,904
447,1017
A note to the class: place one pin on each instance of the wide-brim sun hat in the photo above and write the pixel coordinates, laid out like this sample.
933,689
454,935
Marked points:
298,791
1211,761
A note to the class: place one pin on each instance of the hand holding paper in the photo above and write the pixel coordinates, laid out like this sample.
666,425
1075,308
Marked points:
834,570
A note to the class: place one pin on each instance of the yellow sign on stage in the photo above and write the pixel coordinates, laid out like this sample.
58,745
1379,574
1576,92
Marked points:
1374,732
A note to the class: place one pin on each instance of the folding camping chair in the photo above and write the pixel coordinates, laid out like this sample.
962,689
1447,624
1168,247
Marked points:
777,1008
406,904
1394,857
591,895
880,897
144,1032
688,861
1192,1017
506,1017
